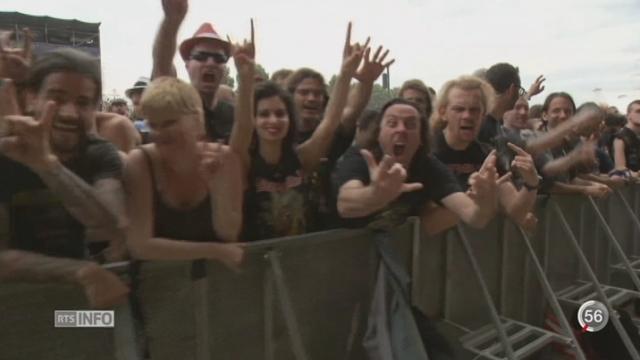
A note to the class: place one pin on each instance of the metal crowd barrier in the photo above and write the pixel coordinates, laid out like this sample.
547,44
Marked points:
308,297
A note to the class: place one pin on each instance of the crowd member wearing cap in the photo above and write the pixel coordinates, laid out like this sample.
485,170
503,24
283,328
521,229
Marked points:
280,201
119,106
134,94
59,183
205,55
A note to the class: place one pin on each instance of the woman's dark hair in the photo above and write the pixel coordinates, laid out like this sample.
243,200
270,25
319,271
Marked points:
269,89
423,149
562,94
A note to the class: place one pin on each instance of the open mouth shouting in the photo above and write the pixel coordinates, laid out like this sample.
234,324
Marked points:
66,126
399,149
209,77
467,130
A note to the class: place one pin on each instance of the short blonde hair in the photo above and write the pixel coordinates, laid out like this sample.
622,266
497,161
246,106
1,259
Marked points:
170,96
467,83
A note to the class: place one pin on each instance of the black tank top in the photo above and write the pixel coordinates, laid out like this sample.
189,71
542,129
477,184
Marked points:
631,147
194,224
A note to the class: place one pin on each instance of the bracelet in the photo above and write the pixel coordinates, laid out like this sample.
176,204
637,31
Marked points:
532,187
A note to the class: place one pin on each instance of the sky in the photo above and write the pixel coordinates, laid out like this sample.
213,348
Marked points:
589,48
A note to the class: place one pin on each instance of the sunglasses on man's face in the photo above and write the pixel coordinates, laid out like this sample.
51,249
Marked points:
204,56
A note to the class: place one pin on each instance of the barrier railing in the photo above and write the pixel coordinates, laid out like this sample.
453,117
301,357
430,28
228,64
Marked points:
308,297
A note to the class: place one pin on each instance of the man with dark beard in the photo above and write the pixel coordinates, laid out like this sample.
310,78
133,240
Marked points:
61,199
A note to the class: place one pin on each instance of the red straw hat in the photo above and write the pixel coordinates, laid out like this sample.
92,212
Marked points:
204,32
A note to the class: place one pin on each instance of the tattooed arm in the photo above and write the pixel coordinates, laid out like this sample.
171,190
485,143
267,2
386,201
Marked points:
102,288
100,208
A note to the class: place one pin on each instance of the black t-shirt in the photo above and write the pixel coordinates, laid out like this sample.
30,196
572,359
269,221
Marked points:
37,219
462,163
321,179
219,121
280,200
490,130
437,181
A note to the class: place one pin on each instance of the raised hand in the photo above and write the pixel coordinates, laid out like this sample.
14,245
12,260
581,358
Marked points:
175,9
537,87
484,183
15,62
352,54
585,153
371,69
387,178
25,139
524,165
219,163
244,54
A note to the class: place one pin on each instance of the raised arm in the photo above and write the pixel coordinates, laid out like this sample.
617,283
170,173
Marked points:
242,132
355,199
222,168
317,147
359,95
164,45
580,123
536,87
583,154
141,241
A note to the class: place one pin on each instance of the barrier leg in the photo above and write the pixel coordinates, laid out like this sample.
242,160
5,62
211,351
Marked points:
202,319
287,309
124,335
549,294
598,288
632,214
268,316
502,334
616,245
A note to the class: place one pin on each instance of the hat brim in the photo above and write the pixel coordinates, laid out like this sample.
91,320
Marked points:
187,45
131,90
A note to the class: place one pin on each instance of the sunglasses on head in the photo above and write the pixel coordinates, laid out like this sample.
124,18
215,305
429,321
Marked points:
204,56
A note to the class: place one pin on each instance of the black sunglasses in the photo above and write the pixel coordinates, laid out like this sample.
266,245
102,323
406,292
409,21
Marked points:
204,56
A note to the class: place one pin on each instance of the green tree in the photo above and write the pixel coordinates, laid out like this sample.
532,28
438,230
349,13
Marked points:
227,79
260,73
380,95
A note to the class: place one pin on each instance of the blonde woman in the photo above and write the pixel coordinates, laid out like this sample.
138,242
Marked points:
183,197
